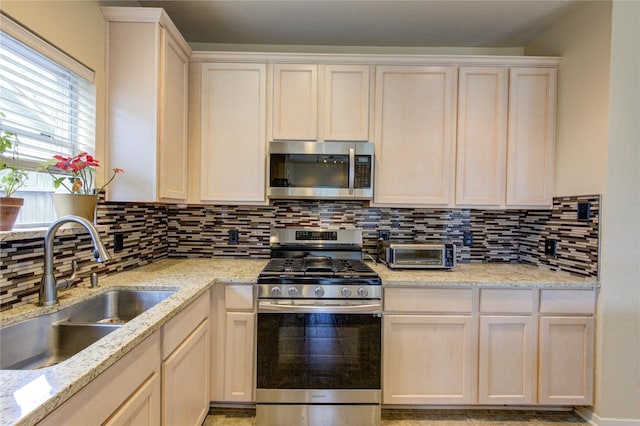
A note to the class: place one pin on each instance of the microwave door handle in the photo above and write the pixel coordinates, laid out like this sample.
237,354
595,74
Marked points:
352,170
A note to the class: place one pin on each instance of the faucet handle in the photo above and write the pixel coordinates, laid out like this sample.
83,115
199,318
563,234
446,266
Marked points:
68,282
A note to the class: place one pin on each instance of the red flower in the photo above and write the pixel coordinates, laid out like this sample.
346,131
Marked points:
82,168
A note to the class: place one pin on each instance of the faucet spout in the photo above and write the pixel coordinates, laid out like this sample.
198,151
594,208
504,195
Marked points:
48,294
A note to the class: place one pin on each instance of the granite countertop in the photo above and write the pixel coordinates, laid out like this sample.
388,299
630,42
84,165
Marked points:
504,275
27,396
41,391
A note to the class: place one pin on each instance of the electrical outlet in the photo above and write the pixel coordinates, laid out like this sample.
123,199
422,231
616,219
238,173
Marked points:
467,238
233,236
584,211
551,247
383,235
118,241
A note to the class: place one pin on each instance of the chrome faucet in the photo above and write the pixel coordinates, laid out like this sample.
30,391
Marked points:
48,287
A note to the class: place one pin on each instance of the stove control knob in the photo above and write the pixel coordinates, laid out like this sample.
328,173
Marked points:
292,291
318,291
363,292
346,292
275,291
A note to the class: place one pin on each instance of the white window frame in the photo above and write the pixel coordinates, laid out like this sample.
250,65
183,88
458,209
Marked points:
74,142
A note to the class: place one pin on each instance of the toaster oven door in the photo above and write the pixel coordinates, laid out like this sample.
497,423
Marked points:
418,257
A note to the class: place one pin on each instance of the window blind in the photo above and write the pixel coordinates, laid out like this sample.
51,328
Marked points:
49,107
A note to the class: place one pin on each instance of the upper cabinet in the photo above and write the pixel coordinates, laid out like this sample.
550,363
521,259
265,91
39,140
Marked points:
482,136
346,103
320,102
147,91
232,141
531,137
506,133
295,102
414,135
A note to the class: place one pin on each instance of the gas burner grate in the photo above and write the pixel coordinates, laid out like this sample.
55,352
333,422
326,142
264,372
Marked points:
318,266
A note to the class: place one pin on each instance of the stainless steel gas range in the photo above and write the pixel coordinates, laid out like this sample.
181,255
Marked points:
319,331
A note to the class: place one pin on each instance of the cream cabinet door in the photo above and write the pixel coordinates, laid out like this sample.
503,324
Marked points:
125,393
239,356
531,137
346,103
185,388
482,136
428,359
142,408
295,102
507,360
414,135
566,360
233,126
172,140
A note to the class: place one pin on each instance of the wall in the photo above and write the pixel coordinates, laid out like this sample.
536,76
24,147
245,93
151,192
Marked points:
145,226
598,151
78,29
582,39
152,232
374,50
619,320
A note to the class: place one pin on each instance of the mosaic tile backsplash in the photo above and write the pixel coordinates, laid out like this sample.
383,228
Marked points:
155,231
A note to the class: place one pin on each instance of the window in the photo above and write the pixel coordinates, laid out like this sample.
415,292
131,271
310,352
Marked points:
48,100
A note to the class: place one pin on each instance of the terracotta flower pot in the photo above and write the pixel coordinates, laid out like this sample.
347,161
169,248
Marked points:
76,204
9,209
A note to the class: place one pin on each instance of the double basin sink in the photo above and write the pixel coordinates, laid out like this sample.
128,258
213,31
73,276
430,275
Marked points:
48,339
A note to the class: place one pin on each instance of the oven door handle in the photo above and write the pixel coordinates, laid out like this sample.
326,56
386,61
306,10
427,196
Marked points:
361,308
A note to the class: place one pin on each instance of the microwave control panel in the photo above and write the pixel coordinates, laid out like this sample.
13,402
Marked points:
363,171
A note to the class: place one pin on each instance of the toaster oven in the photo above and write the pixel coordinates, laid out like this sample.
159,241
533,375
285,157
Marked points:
417,255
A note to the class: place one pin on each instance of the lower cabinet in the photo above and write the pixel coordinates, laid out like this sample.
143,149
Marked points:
162,381
507,360
429,347
127,393
566,348
507,347
428,359
488,346
233,343
142,408
185,368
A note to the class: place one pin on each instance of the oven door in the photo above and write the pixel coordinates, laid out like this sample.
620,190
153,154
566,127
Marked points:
331,345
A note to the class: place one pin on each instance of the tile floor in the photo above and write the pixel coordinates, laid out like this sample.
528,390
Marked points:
237,417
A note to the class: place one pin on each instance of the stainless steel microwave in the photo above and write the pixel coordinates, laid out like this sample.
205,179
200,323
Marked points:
320,170
417,255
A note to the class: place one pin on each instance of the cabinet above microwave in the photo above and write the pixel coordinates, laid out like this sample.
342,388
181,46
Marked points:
320,170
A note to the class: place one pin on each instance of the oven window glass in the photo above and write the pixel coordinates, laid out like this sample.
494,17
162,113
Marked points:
309,171
318,351
418,256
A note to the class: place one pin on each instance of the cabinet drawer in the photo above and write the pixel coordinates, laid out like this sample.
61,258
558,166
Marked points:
180,327
567,301
428,300
238,297
506,300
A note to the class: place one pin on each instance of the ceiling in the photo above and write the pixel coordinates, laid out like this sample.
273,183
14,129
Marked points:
441,23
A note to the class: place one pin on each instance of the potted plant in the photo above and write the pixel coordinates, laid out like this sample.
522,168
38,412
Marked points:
82,197
12,178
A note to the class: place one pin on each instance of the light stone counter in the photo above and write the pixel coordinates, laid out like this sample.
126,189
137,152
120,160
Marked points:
27,396
482,275
45,389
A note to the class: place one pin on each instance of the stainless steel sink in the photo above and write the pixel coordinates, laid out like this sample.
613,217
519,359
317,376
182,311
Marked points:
49,339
